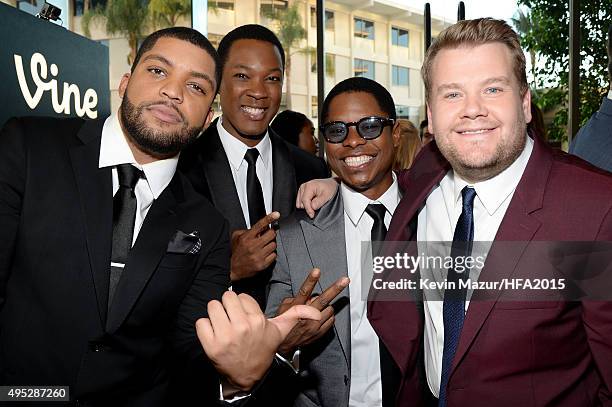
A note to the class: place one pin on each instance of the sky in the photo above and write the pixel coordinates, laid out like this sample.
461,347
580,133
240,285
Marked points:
503,9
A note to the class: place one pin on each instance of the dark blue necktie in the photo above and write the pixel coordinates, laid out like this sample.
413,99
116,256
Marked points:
454,299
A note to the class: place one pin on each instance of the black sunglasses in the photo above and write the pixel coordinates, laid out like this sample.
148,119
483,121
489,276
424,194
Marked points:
369,128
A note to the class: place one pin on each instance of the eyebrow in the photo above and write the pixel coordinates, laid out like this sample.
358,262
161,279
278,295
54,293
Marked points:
243,66
195,74
488,81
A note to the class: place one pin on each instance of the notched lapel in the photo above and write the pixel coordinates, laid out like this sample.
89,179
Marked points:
325,242
95,187
157,230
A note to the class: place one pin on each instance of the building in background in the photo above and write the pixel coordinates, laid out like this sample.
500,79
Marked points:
379,39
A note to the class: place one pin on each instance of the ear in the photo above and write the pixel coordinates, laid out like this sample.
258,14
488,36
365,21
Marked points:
429,121
209,118
125,79
395,134
526,104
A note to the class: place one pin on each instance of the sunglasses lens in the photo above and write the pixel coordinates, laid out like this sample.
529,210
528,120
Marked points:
370,128
335,132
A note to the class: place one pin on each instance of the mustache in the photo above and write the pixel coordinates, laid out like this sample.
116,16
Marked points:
161,103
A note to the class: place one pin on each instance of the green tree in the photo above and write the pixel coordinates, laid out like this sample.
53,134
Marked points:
290,32
127,18
549,37
524,25
165,13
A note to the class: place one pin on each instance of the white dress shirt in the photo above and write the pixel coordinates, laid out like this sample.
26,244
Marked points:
235,151
114,150
610,94
436,223
366,386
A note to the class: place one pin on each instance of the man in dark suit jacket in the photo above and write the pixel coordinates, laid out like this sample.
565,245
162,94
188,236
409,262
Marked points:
253,62
593,142
108,258
483,179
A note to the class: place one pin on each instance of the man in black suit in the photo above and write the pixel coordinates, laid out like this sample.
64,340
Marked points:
250,173
108,258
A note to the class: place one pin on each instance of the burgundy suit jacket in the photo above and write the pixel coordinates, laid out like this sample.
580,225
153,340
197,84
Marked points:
514,353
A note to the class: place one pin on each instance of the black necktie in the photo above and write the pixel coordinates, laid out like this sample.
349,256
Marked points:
389,372
257,208
124,216
454,299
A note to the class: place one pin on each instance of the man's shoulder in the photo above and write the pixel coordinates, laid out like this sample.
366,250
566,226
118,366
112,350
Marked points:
44,125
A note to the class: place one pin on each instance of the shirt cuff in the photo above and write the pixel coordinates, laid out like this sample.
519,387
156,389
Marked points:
294,364
238,396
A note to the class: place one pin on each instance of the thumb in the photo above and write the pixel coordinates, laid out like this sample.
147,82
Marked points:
287,320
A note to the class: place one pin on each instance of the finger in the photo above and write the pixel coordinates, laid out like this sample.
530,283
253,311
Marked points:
307,286
326,326
298,198
264,223
287,320
330,293
267,236
233,308
326,314
249,305
217,316
269,259
206,334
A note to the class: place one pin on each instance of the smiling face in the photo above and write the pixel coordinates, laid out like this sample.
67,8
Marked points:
364,165
476,110
251,89
166,99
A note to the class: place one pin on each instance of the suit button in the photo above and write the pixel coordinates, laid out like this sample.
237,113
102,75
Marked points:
346,380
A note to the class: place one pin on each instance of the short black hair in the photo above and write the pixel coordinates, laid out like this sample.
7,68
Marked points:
185,34
249,32
361,84
289,124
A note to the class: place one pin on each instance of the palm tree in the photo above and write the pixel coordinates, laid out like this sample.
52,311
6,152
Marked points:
524,24
290,33
127,18
165,13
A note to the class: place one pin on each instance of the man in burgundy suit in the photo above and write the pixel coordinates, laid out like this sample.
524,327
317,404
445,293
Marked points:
484,179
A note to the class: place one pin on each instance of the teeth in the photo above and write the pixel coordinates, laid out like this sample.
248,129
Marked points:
252,110
474,131
357,161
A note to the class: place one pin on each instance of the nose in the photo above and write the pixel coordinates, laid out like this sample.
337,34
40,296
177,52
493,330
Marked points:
353,139
172,89
474,107
257,89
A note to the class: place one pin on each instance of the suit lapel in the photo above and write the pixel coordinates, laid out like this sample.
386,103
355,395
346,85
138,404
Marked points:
284,184
95,190
324,236
157,229
220,180
519,227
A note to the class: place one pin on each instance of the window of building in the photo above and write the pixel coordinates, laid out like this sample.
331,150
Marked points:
330,65
400,76
364,68
79,5
221,4
270,7
314,107
399,37
402,112
329,19
364,29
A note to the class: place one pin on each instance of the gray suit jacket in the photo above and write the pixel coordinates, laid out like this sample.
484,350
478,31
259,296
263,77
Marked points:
304,243
594,140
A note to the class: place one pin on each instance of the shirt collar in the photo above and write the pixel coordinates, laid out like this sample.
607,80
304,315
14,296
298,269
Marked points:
355,203
493,192
610,94
114,150
236,149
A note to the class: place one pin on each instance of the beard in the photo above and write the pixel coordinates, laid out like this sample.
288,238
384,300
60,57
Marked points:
156,143
475,167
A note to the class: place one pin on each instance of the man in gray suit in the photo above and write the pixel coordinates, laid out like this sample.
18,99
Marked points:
594,140
347,365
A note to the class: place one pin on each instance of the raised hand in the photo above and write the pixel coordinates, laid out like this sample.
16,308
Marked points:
253,250
308,331
314,194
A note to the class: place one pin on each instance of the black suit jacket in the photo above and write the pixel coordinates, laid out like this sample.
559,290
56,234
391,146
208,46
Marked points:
55,247
207,167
